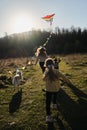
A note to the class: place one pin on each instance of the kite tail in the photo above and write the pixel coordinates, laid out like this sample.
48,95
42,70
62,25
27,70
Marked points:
45,44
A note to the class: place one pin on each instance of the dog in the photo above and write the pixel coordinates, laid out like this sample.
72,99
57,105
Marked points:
17,79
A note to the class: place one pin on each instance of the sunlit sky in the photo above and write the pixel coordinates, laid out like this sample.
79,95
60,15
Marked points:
24,15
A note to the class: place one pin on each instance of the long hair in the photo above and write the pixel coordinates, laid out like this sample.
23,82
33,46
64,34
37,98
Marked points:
50,73
41,51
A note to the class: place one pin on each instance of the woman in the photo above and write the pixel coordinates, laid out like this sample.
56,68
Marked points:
41,56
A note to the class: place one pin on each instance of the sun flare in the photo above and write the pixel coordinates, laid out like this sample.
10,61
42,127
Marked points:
22,23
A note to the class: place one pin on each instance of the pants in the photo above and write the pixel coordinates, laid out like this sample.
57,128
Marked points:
42,66
50,96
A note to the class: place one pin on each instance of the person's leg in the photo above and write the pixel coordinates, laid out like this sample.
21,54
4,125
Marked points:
42,66
14,87
55,97
55,100
48,102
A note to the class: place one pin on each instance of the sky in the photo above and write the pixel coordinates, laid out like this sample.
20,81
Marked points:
24,15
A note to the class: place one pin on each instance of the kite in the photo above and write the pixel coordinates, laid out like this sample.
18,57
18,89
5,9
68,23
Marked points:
49,18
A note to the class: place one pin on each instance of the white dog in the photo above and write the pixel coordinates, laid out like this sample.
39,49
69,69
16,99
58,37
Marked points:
17,79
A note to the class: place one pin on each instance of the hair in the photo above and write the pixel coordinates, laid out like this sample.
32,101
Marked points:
50,73
41,51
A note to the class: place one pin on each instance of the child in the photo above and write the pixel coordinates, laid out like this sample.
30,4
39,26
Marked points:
41,55
51,77
56,63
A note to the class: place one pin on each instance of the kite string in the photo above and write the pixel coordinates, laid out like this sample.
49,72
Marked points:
48,37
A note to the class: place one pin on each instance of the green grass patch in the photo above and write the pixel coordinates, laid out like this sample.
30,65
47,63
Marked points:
25,110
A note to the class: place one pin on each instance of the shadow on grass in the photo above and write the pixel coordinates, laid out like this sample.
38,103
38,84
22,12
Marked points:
60,123
81,95
15,102
51,126
2,86
74,113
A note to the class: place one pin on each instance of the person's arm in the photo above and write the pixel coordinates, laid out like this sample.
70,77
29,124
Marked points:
36,60
44,77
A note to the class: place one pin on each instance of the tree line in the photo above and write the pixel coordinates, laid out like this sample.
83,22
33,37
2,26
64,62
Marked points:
62,41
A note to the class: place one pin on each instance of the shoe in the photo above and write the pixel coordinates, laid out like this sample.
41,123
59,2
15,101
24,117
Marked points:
48,119
55,106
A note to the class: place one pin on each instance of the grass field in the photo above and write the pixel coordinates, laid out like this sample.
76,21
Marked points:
25,110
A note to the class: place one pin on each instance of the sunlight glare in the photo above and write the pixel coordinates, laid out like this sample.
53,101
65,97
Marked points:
22,23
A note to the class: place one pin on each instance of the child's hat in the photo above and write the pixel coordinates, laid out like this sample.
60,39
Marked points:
49,61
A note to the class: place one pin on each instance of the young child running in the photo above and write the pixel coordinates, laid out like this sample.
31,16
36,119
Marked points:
56,63
51,77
